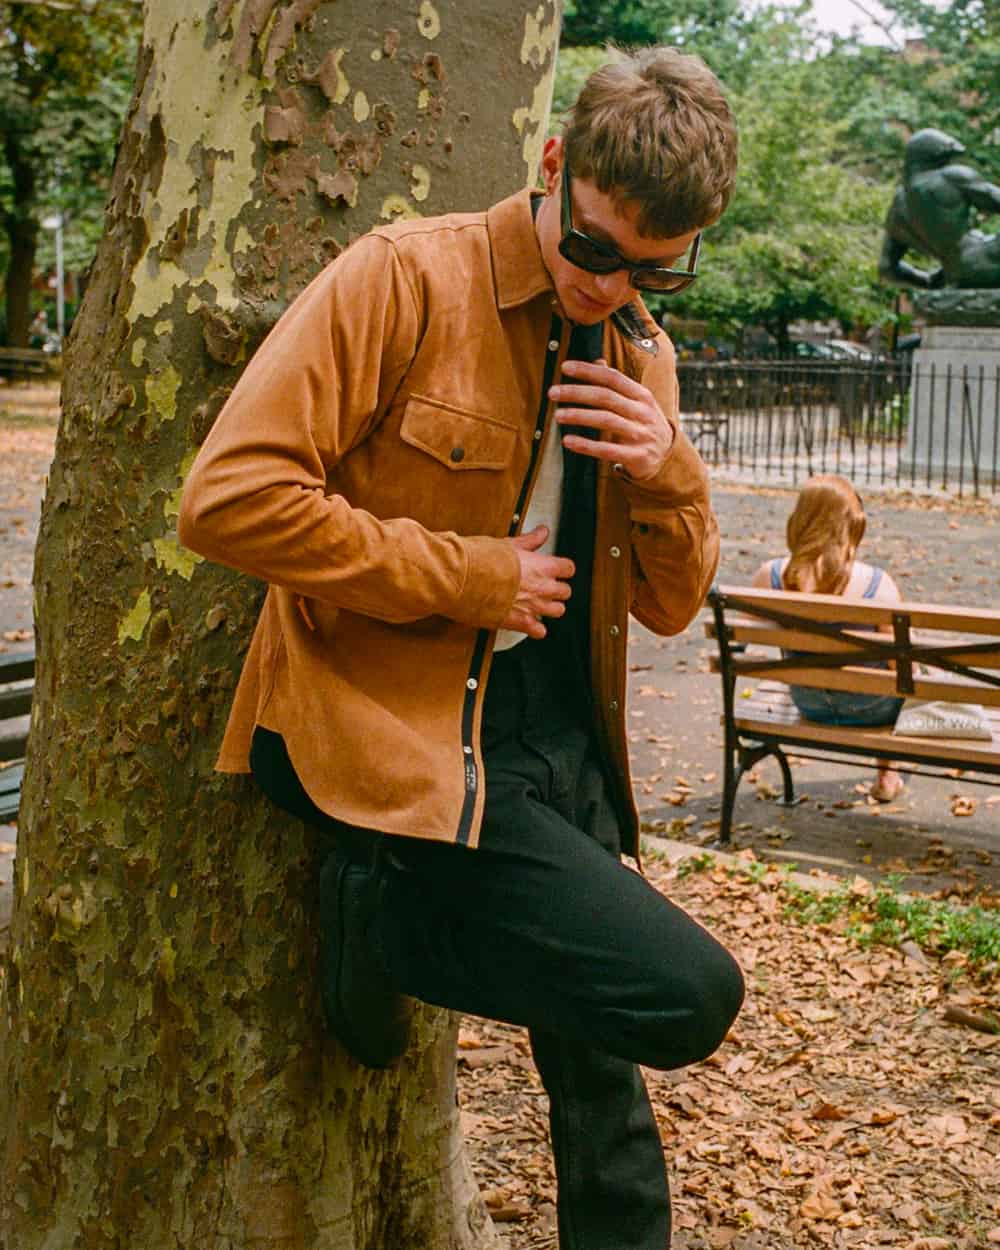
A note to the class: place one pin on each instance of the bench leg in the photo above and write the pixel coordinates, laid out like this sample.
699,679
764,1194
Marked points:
738,760
730,781
789,797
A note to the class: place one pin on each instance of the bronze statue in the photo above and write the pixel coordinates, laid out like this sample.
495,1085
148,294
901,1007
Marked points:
932,212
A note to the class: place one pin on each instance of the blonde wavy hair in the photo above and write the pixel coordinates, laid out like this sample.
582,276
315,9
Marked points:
824,533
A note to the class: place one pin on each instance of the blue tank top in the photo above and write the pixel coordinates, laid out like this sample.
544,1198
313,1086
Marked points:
873,585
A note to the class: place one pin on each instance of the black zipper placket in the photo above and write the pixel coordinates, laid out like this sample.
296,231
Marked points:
483,637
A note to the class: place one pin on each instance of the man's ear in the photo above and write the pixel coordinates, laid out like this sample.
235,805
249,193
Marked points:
552,159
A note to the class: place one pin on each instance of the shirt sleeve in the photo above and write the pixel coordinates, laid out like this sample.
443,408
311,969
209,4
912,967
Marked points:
256,500
675,536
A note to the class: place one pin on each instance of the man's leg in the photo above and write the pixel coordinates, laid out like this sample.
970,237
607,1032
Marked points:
611,1174
362,1005
541,926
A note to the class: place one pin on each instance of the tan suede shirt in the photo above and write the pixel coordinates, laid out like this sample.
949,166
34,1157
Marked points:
375,454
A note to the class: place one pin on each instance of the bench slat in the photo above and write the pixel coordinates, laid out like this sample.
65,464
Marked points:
835,608
13,747
881,742
10,790
858,680
756,633
17,666
16,702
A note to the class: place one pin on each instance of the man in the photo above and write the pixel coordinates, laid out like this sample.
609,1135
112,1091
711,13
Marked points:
438,675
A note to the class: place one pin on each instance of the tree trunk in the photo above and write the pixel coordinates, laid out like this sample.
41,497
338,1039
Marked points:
22,238
166,1078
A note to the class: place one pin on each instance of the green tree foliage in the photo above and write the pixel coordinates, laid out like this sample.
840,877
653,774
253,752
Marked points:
65,78
951,71
588,22
801,238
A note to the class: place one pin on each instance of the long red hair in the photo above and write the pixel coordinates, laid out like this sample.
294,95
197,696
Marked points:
824,532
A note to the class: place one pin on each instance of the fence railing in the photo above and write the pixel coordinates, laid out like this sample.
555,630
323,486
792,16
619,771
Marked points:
886,422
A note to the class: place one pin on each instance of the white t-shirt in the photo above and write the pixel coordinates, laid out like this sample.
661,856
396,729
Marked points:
544,509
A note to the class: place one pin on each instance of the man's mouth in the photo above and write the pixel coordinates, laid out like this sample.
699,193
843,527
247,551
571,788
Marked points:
595,305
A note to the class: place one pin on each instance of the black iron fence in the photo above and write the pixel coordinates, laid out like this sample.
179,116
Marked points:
884,422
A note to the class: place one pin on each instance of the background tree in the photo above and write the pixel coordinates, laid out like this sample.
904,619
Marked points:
801,237
65,73
164,1074
946,73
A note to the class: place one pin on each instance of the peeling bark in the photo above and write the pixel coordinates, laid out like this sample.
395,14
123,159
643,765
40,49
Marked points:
165,1076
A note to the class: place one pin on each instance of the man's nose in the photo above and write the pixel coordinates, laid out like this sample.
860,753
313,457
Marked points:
614,285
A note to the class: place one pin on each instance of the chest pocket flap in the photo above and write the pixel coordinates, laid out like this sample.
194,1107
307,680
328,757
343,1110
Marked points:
457,439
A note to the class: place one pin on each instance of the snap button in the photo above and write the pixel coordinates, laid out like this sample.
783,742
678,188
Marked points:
472,683
614,631
467,750
516,517
646,342
613,705
618,468
553,345
457,454
538,435
615,552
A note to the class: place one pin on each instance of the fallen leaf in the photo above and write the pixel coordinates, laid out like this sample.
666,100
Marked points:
820,1207
827,1111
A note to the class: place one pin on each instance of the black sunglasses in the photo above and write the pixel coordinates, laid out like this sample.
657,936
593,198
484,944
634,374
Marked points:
595,257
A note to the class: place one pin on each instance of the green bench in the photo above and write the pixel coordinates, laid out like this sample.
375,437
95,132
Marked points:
25,362
17,680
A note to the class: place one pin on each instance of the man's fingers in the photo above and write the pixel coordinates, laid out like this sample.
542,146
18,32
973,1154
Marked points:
525,623
598,450
533,539
554,590
600,374
596,420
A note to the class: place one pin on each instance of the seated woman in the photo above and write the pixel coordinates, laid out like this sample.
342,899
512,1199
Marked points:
824,533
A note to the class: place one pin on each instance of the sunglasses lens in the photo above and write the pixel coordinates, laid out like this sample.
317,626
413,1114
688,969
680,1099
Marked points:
584,254
656,280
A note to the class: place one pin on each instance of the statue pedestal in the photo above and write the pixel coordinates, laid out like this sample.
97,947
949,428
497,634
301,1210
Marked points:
953,435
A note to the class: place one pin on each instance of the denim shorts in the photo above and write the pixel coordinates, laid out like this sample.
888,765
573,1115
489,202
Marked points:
842,707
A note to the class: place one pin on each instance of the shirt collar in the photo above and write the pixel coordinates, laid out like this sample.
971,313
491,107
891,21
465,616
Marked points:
518,271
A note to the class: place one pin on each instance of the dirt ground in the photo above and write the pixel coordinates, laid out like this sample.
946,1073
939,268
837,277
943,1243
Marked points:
845,1109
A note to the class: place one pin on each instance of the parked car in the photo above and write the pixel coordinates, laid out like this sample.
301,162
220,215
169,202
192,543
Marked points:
853,351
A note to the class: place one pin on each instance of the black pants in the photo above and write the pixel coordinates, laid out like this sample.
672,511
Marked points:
542,926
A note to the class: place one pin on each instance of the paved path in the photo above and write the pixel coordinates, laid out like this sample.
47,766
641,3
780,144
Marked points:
936,551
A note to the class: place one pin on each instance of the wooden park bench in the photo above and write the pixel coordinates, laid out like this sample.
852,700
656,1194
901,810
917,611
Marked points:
834,638
25,361
17,674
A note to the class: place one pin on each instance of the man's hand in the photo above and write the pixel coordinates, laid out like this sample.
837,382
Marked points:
544,585
636,434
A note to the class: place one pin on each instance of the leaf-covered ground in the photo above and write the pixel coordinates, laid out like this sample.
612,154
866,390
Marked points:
844,1109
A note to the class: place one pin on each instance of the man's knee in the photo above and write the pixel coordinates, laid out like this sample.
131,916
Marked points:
719,997
699,1008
